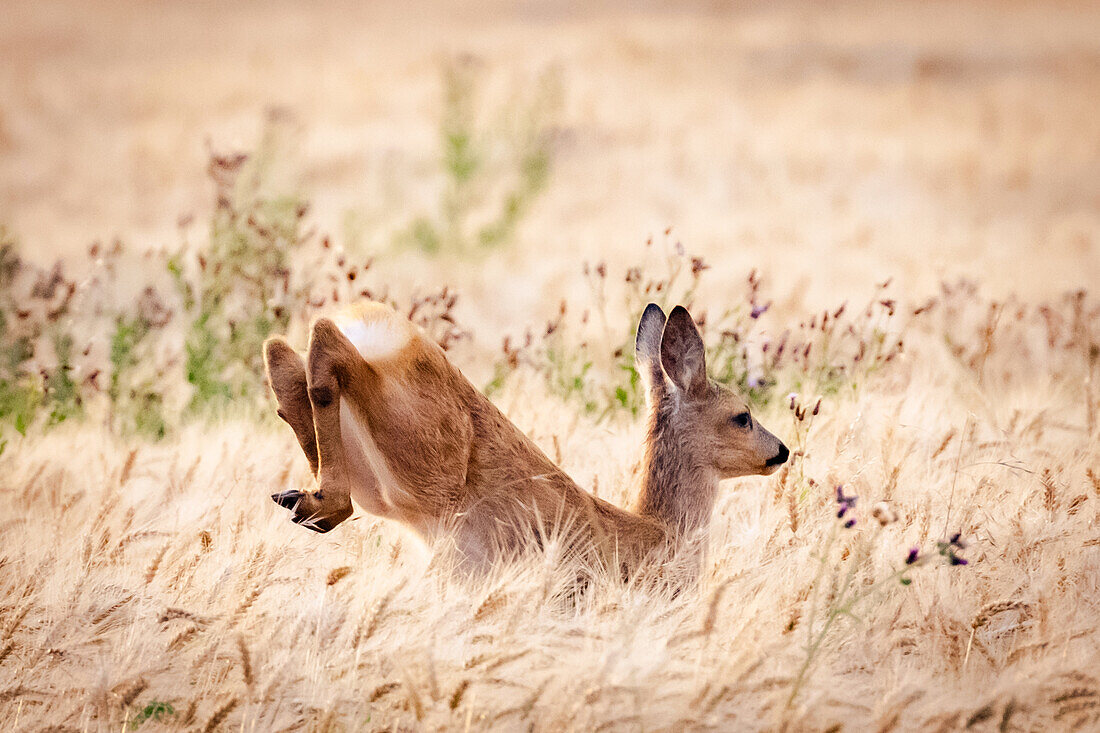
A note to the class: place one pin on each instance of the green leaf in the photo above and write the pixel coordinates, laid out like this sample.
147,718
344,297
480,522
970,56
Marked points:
155,710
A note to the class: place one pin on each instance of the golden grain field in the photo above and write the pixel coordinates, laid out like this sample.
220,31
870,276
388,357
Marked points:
933,167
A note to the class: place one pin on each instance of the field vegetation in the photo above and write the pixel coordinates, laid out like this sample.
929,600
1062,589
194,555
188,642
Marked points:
929,559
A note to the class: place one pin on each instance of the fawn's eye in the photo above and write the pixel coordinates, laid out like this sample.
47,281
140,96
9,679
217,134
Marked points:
741,420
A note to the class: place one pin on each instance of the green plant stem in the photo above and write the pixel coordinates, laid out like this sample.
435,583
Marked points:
844,609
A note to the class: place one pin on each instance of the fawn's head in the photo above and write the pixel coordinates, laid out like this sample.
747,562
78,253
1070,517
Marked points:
711,426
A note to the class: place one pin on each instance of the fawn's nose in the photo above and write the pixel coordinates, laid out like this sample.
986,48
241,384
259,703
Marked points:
780,457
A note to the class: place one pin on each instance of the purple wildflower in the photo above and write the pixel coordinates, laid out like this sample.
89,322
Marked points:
845,503
914,553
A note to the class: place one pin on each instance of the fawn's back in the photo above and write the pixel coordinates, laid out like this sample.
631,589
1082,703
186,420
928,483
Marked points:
454,462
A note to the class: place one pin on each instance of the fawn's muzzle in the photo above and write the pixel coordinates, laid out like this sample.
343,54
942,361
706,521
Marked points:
779,458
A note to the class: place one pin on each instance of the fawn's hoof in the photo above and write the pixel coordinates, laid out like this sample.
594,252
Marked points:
309,510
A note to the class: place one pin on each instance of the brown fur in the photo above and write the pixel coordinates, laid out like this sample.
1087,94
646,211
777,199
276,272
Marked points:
286,372
429,450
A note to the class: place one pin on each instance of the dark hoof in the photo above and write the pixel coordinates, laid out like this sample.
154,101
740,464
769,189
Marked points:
288,499
308,510
317,524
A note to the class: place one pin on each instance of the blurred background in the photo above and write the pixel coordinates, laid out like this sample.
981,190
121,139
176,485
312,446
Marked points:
884,216
829,145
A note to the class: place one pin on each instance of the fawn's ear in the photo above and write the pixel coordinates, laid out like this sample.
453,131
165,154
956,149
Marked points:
682,354
647,351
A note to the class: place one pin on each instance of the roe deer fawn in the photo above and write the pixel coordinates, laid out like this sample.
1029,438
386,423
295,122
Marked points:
385,419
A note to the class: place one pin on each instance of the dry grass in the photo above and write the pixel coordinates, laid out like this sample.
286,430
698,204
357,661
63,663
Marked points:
155,584
162,573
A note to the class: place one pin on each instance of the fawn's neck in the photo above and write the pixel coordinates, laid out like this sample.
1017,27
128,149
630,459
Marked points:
677,489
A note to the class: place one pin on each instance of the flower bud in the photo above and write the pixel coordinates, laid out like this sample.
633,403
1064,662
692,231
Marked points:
884,513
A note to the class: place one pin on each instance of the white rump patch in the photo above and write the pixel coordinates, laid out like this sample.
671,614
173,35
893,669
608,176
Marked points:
376,339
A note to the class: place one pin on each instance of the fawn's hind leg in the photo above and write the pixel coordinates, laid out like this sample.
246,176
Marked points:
312,392
286,372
